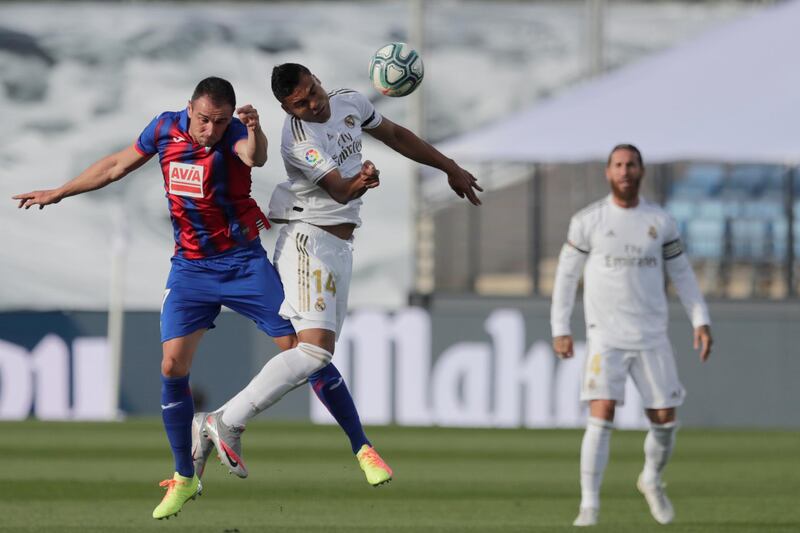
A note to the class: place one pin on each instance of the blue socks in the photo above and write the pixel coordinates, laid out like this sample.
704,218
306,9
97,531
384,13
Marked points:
332,392
177,410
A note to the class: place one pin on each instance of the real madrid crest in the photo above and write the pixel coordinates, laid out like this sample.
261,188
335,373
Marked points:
320,305
652,232
350,121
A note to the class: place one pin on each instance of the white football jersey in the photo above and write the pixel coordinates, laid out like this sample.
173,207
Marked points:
310,150
624,291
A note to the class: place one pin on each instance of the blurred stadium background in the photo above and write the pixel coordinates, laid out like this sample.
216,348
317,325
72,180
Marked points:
449,319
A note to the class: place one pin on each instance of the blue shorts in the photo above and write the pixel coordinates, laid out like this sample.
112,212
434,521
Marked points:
243,280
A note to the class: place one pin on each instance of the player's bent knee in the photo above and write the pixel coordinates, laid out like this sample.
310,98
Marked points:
173,368
285,372
317,356
661,416
603,409
319,337
307,359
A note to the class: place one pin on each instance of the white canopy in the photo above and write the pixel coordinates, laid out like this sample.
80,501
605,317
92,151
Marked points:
731,95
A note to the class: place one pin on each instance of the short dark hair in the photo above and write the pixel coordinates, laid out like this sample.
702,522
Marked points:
218,90
628,147
285,79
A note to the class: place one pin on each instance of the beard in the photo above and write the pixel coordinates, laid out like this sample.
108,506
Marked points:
628,194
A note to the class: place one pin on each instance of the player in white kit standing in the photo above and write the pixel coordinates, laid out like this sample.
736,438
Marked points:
625,244
318,208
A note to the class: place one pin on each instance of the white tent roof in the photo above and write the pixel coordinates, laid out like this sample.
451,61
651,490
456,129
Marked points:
732,95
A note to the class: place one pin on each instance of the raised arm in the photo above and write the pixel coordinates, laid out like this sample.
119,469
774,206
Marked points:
408,144
344,189
107,170
253,150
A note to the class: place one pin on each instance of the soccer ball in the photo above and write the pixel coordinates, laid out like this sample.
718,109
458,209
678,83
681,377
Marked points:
396,69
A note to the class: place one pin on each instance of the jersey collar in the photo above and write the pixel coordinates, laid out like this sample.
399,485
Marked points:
183,120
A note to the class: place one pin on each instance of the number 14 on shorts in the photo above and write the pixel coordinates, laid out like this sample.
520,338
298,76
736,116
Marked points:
330,283
330,286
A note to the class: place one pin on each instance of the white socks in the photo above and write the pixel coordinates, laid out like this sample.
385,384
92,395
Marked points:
657,449
594,458
281,374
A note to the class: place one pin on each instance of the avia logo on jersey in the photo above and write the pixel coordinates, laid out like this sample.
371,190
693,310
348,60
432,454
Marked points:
313,157
186,180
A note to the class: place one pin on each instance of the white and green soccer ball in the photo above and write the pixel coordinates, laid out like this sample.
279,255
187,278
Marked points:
396,69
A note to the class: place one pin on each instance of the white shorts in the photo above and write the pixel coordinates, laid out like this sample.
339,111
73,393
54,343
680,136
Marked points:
653,371
315,268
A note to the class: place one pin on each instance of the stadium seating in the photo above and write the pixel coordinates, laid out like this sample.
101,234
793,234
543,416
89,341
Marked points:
733,220
701,180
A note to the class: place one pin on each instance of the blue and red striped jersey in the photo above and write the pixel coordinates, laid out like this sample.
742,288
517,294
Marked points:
208,190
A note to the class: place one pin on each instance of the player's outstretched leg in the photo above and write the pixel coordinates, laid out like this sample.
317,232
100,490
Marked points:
658,447
228,442
180,489
330,388
201,444
283,373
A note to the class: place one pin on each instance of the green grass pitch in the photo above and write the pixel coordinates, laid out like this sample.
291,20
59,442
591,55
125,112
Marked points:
82,477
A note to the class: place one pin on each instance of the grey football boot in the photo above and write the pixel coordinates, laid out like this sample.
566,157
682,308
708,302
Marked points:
228,441
201,445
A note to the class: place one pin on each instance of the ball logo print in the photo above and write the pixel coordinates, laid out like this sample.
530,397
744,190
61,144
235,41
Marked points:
396,69
312,157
